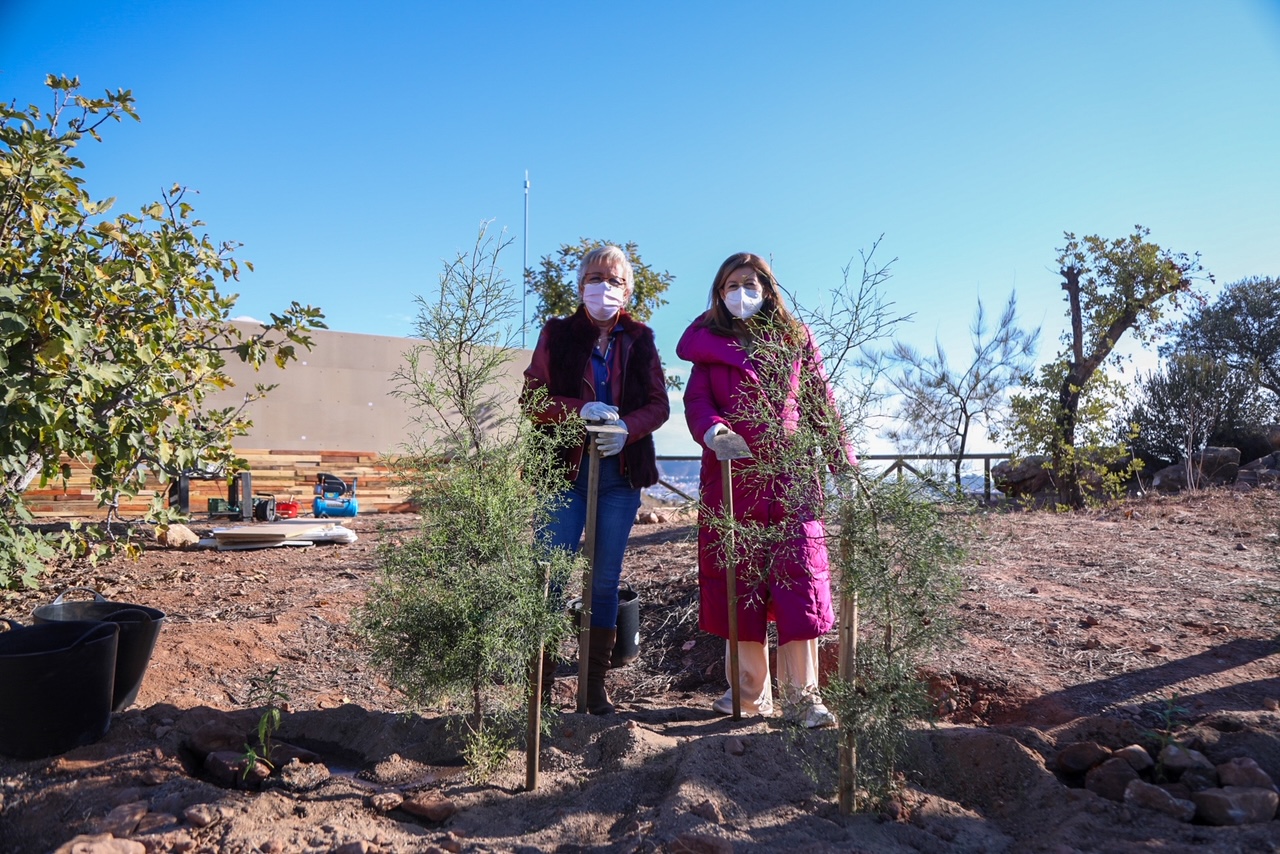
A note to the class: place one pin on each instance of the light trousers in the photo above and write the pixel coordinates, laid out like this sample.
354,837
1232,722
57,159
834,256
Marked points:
797,677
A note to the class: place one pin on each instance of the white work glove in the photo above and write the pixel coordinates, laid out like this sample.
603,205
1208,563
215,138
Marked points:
610,443
716,430
596,411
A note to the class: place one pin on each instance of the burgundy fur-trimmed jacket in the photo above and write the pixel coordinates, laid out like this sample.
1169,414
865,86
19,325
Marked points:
562,364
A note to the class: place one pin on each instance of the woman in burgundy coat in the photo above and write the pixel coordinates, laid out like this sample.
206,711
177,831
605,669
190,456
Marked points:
601,364
788,582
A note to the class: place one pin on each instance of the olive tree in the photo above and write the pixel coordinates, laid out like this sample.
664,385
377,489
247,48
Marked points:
113,329
1191,401
1241,328
555,281
1113,287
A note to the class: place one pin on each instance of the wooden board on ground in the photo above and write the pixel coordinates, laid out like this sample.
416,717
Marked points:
282,530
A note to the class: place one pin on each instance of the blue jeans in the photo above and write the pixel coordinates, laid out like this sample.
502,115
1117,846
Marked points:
615,514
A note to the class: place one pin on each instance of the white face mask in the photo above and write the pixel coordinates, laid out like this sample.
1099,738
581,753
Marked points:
602,301
743,303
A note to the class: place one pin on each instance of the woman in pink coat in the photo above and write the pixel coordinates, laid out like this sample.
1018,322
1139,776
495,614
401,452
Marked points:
738,386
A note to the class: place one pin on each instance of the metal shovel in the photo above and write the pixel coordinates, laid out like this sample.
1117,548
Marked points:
730,447
589,549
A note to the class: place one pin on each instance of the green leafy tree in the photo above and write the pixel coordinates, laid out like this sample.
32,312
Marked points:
555,282
112,330
1100,456
1113,287
459,609
1241,328
1192,401
940,406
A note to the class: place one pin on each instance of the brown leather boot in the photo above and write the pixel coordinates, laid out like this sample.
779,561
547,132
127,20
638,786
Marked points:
602,641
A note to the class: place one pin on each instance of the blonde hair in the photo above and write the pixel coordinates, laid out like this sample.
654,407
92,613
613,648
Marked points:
608,252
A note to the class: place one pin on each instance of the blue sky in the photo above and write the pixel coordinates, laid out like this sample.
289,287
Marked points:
353,147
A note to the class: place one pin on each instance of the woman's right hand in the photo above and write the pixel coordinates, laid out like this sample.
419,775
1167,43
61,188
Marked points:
716,430
594,410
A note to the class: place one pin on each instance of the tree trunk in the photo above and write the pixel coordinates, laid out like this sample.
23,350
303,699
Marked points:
1065,470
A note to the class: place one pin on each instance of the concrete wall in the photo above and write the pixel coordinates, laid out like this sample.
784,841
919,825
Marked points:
337,396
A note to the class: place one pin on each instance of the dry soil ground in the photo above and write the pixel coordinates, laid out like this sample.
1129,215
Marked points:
1079,626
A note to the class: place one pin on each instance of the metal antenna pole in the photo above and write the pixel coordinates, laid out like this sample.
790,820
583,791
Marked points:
524,284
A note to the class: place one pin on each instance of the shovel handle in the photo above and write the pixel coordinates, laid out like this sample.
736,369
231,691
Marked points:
731,583
589,547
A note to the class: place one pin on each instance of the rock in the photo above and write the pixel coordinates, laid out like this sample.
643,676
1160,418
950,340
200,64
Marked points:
1137,757
219,734
201,815
1025,478
1147,796
103,843
282,753
123,820
1179,759
1234,805
154,776
1079,757
1243,771
297,776
1197,779
157,822
272,846
231,769
1110,779
176,536
432,806
709,811
1211,467
385,801
734,746
699,843
357,847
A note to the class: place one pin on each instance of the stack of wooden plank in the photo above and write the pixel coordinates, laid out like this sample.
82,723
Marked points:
293,532
283,473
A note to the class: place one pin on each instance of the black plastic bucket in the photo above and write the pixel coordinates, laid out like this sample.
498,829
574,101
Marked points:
139,626
626,648
56,681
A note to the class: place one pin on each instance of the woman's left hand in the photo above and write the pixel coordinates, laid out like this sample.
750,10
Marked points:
611,443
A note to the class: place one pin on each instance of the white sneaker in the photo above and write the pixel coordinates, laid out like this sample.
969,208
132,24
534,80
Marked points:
818,717
724,706
810,714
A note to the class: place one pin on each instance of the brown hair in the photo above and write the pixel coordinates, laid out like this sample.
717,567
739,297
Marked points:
774,311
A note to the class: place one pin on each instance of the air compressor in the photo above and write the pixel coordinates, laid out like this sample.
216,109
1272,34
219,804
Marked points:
333,497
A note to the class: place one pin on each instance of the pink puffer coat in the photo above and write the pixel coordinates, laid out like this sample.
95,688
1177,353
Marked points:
796,593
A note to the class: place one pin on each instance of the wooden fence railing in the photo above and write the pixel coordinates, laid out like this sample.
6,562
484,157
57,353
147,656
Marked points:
897,463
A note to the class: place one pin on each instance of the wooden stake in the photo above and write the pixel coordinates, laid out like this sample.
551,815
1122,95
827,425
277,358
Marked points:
731,580
533,736
848,633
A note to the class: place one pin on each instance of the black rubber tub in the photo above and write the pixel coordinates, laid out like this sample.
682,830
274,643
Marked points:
627,647
139,626
56,681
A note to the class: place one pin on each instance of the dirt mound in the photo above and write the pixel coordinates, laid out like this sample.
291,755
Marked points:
1102,626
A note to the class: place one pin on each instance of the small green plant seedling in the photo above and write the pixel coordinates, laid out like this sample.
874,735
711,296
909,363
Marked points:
265,689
